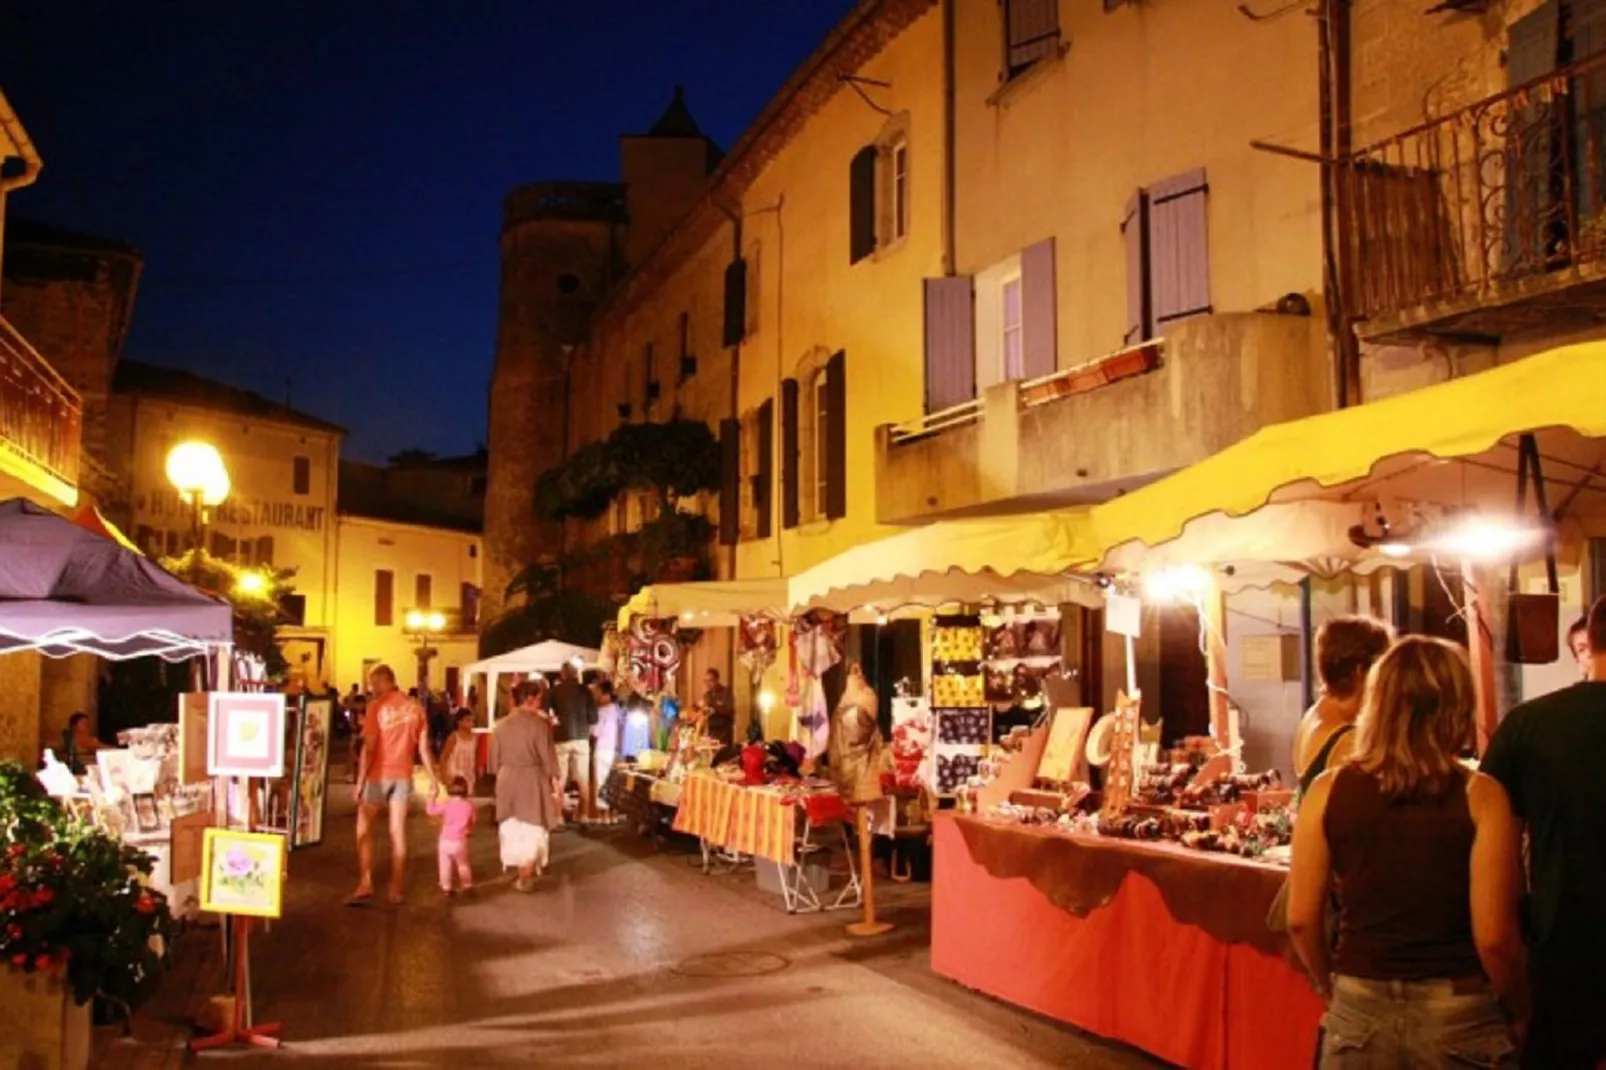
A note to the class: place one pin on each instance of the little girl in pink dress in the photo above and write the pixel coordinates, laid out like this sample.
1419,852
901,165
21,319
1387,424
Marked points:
457,823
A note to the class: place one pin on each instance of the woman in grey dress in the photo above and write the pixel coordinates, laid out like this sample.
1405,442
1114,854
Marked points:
528,803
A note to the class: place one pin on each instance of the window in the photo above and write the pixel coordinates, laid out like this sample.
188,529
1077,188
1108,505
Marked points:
476,486
862,204
899,167
755,296
422,585
384,598
735,302
1011,353
294,608
748,492
468,606
1165,229
1031,33
302,478
820,447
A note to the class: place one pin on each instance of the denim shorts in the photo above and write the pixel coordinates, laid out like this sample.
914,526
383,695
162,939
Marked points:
1374,1024
380,792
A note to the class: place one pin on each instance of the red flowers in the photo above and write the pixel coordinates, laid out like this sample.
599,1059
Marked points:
42,962
43,896
17,850
13,932
19,960
7,883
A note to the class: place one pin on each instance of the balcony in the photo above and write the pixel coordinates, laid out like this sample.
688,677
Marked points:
41,421
1487,221
1087,433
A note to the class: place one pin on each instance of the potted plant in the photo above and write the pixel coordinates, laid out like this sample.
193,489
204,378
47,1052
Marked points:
77,922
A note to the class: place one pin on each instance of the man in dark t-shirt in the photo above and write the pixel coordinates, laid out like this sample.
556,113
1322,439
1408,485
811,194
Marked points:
1547,753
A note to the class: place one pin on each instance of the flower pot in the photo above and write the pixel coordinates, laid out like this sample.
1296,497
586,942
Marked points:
41,1028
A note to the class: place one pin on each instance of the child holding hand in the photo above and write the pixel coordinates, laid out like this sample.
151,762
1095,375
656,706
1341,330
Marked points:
457,823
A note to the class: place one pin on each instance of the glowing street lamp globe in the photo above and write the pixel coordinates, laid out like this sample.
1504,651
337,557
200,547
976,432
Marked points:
197,472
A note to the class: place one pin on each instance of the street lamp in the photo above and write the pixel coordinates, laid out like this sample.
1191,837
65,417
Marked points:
197,472
423,624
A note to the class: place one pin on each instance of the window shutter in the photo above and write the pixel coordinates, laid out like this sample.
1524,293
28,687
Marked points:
1179,256
1032,28
730,486
264,553
789,454
1530,145
384,597
861,204
735,301
763,498
1588,28
836,442
950,342
1039,303
1135,233
301,476
223,546
468,606
422,590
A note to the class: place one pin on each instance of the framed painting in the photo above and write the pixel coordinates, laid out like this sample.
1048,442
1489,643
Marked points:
242,873
311,773
245,734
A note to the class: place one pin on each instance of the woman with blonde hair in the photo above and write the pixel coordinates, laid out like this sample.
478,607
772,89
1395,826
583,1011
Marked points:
1423,855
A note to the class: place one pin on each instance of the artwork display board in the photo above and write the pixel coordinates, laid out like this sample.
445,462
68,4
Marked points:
245,734
309,791
242,873
961,717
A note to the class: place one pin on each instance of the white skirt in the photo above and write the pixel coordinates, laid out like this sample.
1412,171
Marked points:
522,844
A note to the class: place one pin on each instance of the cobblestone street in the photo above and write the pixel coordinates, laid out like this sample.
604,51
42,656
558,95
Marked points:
621,958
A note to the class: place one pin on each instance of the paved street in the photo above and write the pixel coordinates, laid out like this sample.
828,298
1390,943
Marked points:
621,958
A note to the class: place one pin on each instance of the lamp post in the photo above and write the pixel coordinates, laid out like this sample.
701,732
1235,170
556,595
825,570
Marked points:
423,625
197,472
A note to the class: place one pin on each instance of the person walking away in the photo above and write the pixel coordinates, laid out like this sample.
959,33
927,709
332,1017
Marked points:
395,729
608,737
1547,754
460,753
1346,649
457,824
1424,855
529,786
576,712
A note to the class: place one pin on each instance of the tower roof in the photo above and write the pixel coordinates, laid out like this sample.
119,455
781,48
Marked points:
676,121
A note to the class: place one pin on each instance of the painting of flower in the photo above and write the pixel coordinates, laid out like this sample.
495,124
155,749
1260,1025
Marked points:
242,873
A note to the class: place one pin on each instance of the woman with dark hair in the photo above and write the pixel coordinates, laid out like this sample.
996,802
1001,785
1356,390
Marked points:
1346,648
1424,857
459,752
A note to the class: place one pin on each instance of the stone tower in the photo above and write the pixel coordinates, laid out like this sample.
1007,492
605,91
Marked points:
561,250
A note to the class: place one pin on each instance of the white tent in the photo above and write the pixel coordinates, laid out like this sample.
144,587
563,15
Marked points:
549,656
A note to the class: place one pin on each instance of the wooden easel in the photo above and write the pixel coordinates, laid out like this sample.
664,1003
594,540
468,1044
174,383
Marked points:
868,925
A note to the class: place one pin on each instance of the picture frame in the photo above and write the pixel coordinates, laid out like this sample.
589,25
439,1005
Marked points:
309,792
242,873
146,817
245,734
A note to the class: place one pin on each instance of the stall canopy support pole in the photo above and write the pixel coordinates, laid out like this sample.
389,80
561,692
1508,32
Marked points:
1307,677
869,926
1480,646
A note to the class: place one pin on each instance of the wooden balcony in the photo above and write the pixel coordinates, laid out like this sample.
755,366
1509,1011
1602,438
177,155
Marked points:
41,420
1485,222
1090,432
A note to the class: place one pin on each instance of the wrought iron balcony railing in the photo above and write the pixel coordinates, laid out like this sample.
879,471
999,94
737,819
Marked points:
1479,201
41,416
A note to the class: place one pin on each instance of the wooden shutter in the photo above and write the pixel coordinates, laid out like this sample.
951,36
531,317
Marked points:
735,301
861,204
423,588
730,481
1588,29
222,546
836,442
764,480
950,342
468,606
1531,53
790,512
1135,234
1179,256
1032,32
384,598
1039,301
264,554
301,476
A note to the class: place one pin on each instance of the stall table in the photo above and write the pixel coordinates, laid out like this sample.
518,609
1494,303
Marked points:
630,794
774,822
1152,944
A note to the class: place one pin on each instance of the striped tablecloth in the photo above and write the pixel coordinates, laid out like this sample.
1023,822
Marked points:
758,821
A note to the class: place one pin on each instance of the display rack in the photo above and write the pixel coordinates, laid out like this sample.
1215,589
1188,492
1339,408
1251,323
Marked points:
961,716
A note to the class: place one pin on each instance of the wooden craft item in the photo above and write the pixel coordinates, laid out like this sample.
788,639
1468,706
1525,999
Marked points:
1062,752
192,725
1016,771
1118,774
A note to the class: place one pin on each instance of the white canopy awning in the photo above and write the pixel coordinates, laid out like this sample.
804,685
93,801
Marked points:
709,604
548,656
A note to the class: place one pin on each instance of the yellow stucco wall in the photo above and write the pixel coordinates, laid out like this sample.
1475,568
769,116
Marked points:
1140,94
449,558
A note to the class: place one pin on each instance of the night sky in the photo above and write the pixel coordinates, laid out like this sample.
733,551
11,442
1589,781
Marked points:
316,184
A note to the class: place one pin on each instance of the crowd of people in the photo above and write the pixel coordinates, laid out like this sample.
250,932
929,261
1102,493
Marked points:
1450,915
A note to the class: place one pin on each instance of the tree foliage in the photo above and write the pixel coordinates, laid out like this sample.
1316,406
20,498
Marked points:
257,614
673,459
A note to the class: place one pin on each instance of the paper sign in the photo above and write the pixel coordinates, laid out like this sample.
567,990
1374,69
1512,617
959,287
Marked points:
1123,615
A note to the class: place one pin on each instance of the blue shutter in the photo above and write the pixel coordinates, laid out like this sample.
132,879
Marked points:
950,342
1179,254
1135,236
1038,304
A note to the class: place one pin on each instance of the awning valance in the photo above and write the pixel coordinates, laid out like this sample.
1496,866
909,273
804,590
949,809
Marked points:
1454,444
1007,558
709,604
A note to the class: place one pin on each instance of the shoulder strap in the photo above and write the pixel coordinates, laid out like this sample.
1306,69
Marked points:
1318,764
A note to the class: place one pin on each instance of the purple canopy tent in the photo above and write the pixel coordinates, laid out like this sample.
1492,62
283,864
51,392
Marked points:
65,590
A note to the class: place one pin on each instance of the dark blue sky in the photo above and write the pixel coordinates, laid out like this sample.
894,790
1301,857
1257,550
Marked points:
316,184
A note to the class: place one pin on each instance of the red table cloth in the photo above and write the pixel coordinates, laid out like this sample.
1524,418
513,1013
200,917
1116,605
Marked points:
1127,970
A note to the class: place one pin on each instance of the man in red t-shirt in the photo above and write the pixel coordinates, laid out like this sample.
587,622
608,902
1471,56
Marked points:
394,729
